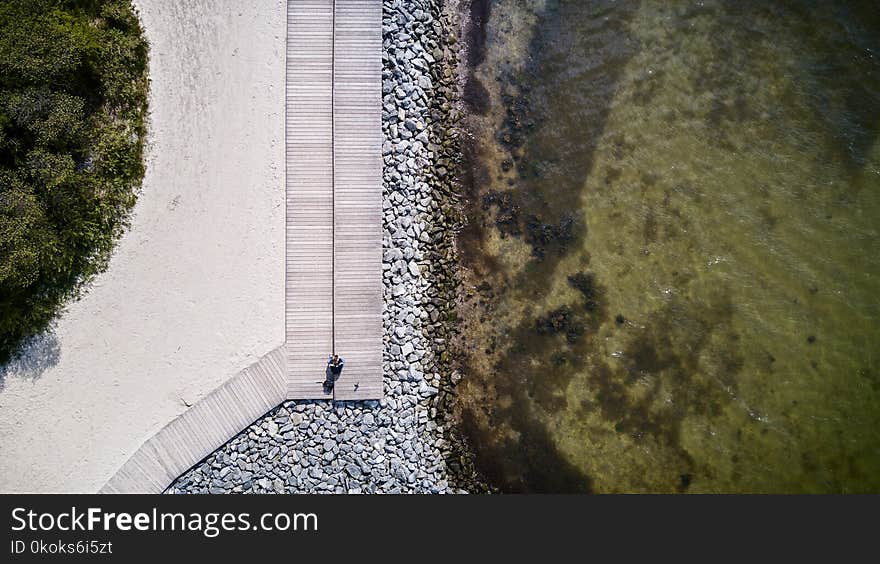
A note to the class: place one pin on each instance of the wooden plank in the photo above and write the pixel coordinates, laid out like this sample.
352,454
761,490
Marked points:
309,185
357,115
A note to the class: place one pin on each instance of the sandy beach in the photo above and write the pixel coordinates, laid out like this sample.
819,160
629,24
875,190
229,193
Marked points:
194,292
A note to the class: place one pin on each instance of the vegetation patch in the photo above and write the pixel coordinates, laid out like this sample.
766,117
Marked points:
73,101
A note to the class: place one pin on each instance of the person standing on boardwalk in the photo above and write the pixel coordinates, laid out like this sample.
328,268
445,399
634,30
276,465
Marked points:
334,369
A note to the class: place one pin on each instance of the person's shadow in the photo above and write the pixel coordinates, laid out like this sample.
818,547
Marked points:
330,377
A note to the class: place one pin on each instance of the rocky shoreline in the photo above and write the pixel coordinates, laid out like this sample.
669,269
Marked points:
407,442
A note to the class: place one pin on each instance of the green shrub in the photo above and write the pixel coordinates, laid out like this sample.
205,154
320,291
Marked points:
73,84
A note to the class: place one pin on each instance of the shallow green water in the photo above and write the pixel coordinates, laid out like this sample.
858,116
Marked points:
674,242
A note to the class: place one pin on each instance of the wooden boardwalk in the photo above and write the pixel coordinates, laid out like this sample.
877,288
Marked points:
333,270
357,220
309,132
204,427
334,196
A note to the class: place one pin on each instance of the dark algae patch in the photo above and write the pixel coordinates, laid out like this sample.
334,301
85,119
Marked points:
670,251
73,84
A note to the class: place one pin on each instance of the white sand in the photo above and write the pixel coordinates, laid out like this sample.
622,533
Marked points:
194,292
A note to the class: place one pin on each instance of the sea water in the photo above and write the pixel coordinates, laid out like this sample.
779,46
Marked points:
673,250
